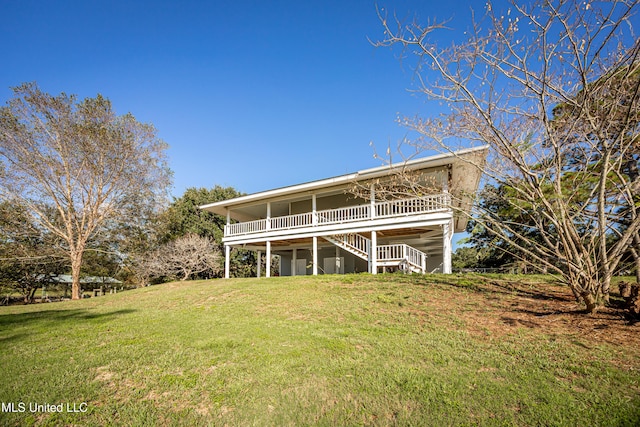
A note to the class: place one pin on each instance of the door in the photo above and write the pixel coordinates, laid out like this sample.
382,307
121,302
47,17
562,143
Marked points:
334,265
301,267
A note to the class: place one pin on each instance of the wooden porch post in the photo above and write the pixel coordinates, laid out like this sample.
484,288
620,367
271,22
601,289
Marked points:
268,224
315,255
447,237
372,201
267,261
314,215
259,265
294,262
227,249
373,255
227,254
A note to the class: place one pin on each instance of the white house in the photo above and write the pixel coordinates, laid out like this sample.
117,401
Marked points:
321,227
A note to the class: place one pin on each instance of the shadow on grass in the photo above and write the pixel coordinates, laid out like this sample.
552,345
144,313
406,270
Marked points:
7,321
10,338
547,313
492,285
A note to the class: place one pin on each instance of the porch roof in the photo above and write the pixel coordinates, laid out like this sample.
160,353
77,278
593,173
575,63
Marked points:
467,180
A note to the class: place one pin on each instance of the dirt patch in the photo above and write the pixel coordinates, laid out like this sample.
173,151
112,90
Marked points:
496,308
103,374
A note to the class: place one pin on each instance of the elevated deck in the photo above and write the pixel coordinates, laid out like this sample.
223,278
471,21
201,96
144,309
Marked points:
330,220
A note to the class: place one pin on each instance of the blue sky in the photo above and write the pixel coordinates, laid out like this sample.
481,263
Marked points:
249,94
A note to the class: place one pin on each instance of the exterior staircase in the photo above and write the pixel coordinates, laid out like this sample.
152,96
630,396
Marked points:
353,243
405,257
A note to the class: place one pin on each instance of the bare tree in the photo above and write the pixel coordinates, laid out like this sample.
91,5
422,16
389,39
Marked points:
182,258
552,87
93,167
190,255
145,267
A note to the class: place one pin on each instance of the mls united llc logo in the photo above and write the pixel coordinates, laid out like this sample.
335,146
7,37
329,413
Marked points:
20,407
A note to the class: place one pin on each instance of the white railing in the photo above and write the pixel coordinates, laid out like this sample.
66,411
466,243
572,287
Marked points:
412,206
358,242
401,252
245,227
416,257
291,221
351,213
354,241
393,208
390,252
396,253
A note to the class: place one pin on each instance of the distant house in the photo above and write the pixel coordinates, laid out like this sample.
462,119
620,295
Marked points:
319,227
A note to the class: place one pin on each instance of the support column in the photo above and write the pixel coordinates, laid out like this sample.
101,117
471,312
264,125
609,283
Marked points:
337,261
314,215
294,262
374,253
372,201
227,254
267,261
447,237
268,224
227,249
259,265
315,256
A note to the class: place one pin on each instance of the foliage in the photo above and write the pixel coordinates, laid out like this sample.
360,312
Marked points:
29,256
152,247
552,88
470,257
184,217
102,259
496,243
92,167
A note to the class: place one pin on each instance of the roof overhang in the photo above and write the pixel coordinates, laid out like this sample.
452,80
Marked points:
465,159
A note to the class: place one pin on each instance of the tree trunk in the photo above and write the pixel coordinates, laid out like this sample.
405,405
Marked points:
636,256
606,287
590,302
28,298
76,263
636,259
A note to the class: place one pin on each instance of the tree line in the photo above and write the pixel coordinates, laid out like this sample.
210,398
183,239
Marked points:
179,242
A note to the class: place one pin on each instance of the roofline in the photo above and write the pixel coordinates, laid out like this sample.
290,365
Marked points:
421,163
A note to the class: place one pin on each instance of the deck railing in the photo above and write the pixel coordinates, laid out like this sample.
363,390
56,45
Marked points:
400,252
411,206
351,213
248,227
387,209
291,221
353,242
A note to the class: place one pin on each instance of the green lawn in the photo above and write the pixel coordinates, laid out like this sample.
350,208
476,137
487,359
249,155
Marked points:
326,350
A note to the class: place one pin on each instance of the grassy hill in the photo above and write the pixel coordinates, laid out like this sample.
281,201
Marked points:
326,350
